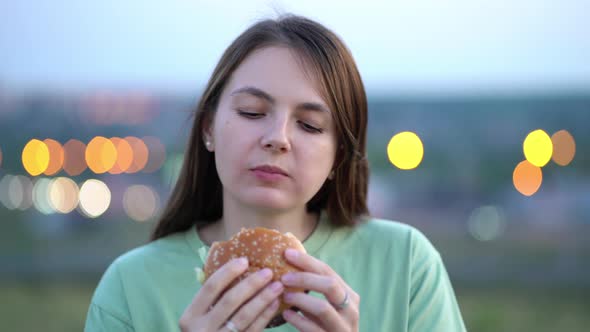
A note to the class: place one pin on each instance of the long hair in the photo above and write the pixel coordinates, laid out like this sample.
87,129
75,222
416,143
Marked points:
197,195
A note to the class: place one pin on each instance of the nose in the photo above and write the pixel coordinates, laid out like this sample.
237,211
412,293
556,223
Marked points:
276,137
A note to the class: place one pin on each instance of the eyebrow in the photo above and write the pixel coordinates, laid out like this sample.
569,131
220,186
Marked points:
258,93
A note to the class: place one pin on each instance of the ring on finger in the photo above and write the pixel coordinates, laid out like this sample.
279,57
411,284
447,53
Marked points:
344,303
231,326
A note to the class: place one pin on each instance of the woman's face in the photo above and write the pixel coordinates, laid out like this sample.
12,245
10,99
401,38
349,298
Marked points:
270,114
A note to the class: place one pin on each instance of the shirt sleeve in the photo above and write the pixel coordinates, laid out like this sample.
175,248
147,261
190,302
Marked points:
108,309
98,319
433,306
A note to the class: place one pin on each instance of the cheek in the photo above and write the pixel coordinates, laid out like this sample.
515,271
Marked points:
318,162
228,149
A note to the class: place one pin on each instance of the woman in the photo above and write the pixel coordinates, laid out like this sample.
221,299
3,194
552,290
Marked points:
278,141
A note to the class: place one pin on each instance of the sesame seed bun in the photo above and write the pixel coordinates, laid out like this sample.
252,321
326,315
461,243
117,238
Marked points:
264,248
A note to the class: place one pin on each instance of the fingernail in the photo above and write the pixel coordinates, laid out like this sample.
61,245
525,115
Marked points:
292,253
265,273
288,278
243,261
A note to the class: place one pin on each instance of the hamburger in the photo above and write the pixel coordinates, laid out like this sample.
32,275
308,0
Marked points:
264,248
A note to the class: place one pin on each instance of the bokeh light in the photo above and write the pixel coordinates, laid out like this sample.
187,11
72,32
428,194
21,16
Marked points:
140,202
486,223
538,148
527,178
56,157
156,154
564,147
35,157
5,192
94,198
101,154
405,150
41,196
74,161
140,154
16,192
0,157
124,155
26,186
63,195
11,193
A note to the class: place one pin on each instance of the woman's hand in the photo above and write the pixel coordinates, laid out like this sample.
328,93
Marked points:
339,311
248,306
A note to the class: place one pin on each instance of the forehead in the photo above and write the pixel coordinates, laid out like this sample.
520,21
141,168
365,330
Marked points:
279,72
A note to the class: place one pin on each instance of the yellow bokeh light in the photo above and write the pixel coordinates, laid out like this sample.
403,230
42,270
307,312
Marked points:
101,154
538,148
35,157
405,150
564,147
0,157
527,178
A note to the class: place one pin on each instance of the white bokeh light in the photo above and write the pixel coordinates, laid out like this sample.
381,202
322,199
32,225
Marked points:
41,196
95,198
486,223
63,195
140,202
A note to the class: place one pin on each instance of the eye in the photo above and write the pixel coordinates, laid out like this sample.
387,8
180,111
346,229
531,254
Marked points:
310,128
250,115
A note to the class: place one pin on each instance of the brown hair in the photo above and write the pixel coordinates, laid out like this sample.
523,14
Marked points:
197,196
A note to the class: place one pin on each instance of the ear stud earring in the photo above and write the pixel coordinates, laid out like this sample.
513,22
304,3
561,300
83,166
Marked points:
331,176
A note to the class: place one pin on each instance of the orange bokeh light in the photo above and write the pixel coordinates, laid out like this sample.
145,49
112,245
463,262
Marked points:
564,148
157,154
101,154
56,156
527,178
140,154
74,163
124,155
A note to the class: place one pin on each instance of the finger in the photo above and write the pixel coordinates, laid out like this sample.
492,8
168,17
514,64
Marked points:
320,309
249,312
332,289
308,263
267,315
301,322
311,264
237,296
216,284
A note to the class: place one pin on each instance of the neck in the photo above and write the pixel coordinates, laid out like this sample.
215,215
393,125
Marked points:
235,217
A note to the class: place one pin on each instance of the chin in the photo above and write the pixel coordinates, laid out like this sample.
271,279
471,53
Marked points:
270,201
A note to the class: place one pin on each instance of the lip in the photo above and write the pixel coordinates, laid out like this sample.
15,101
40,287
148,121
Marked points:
270,169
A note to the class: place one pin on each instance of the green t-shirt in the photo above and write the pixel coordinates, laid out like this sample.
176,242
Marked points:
398,274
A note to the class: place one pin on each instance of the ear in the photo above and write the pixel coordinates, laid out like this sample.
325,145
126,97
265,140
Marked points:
207,133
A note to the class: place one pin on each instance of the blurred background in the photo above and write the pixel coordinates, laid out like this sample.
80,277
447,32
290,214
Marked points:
479,136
